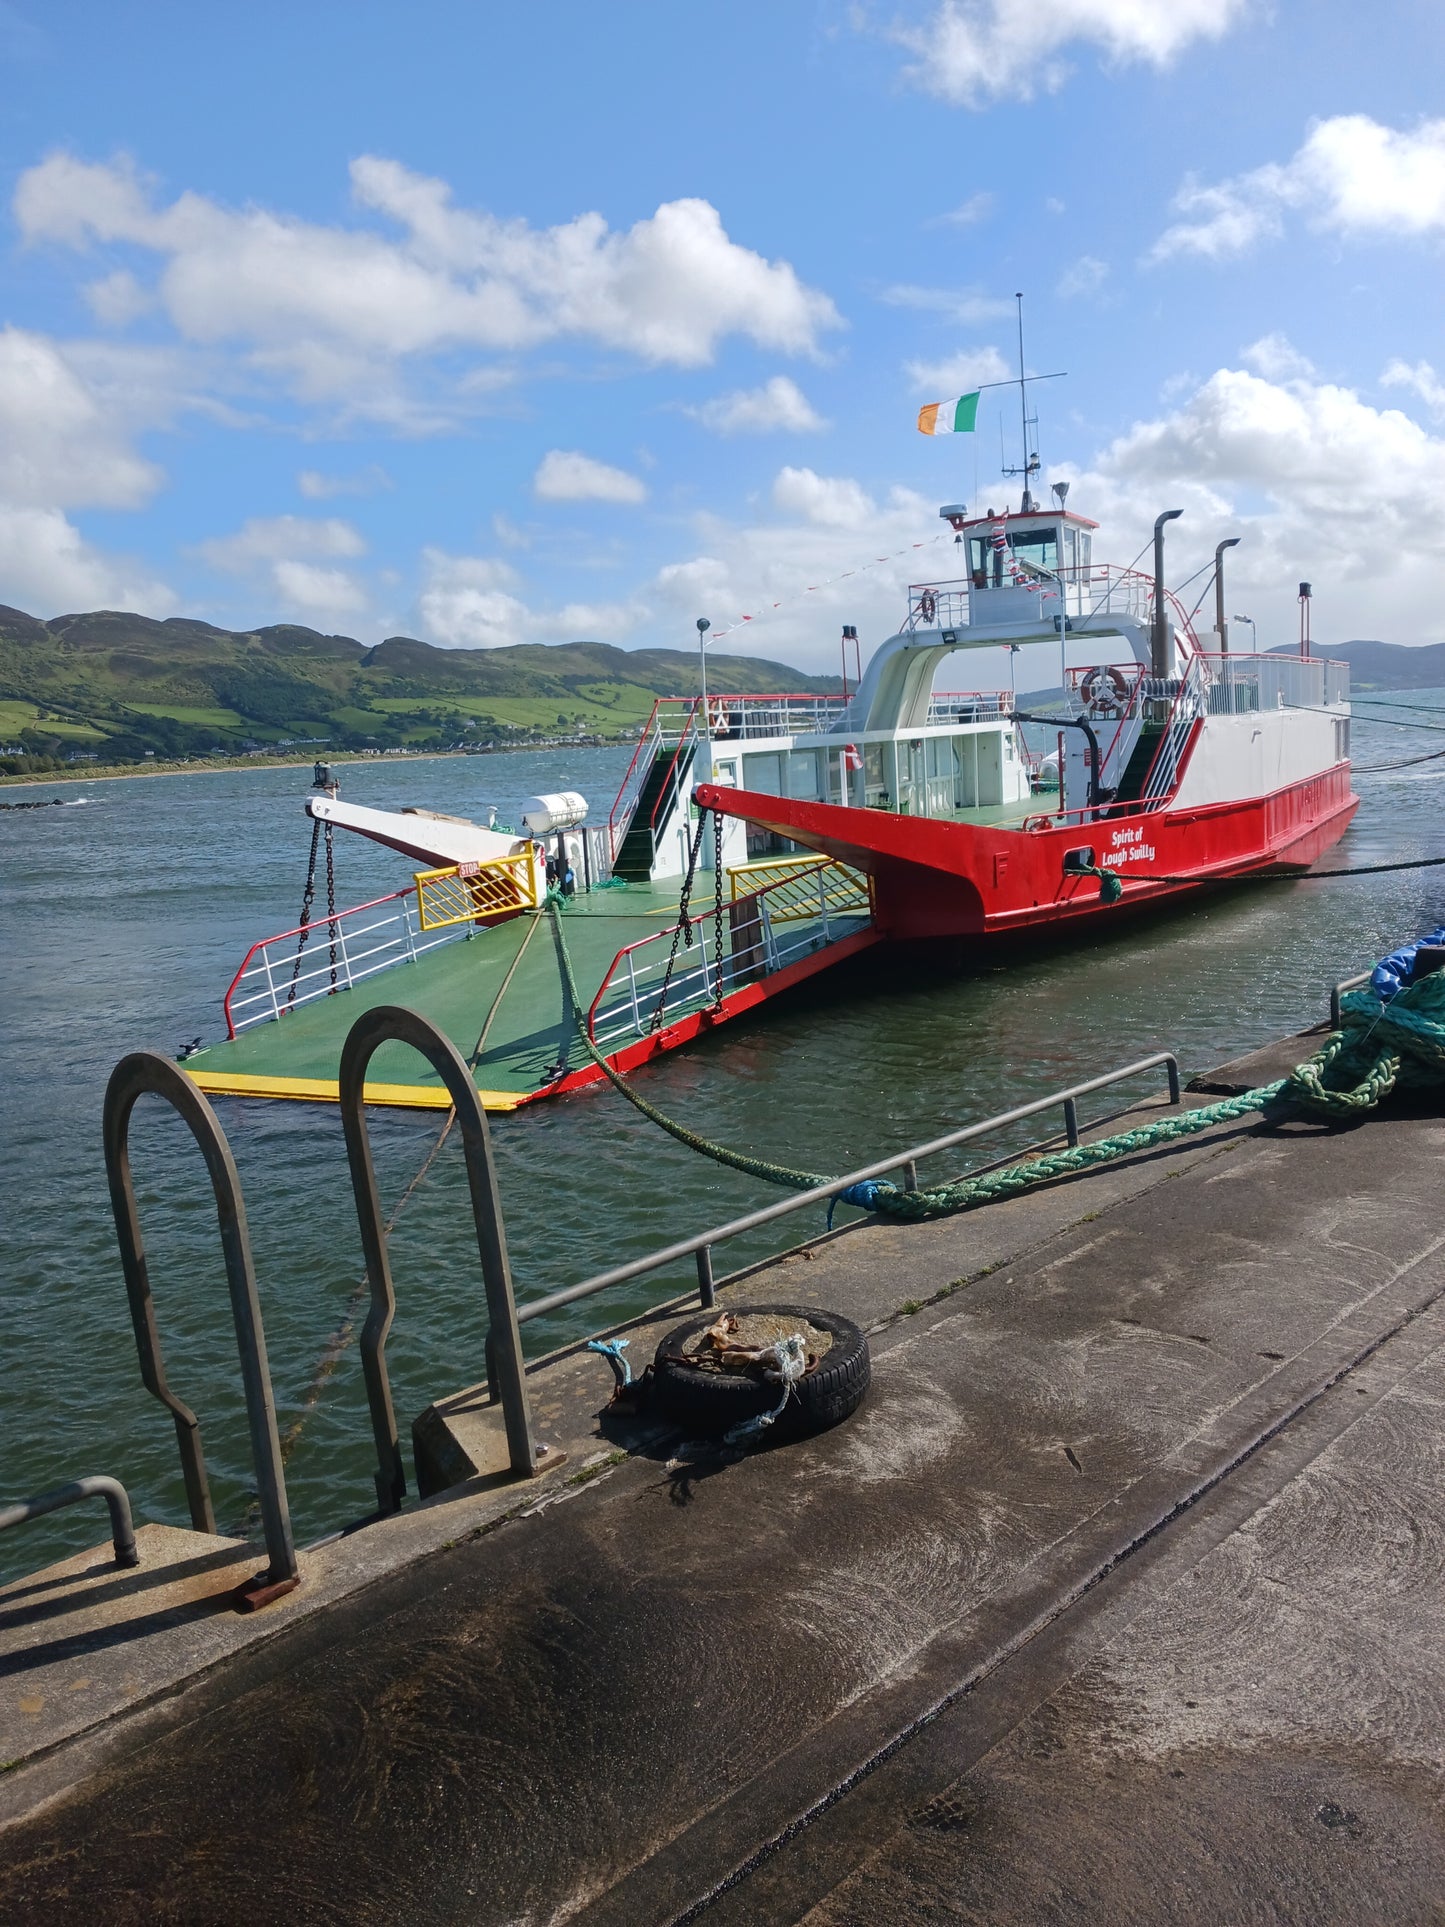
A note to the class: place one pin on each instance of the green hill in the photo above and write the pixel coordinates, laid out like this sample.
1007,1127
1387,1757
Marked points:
124,686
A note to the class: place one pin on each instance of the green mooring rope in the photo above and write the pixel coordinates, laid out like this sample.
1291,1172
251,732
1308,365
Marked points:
1378,1046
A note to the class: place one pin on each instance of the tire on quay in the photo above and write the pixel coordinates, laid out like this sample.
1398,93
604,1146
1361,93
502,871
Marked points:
705,1402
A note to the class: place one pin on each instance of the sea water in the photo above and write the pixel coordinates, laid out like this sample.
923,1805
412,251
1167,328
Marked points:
122,921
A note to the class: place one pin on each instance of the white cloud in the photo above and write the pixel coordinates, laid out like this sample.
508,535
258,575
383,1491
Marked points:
317,487
271,538
954,304
1351,176
118,298
326,307
565,476
1320,485
60,444
1422,378
1084,277
318,592
1276,358
827,501
285,556
471,602
976,208
778,404
970,52
957,374
48,568
831,554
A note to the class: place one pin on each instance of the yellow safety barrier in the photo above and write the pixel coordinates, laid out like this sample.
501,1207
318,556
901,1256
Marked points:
470,892
802,887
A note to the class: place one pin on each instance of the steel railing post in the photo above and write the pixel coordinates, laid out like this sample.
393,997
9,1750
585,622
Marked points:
706,1290
393,1023
1071,1120
135,1076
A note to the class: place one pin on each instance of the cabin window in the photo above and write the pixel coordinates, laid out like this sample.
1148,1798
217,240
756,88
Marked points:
763,771
1039,546
803,774
877,784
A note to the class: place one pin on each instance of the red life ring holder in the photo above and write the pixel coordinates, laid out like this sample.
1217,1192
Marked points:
927,606
1105,691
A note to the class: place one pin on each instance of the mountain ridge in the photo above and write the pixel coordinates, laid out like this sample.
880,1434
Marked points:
112,684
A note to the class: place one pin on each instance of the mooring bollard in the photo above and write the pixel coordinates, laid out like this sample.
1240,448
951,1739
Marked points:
147,1073
390,1023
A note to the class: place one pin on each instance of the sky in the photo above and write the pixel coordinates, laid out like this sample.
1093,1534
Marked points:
492,323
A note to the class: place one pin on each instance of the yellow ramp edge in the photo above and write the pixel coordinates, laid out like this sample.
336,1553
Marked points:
322,1090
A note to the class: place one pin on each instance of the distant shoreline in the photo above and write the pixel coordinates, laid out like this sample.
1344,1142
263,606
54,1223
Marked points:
198,766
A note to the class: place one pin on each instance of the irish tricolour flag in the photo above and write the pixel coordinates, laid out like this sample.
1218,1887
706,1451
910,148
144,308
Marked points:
950,417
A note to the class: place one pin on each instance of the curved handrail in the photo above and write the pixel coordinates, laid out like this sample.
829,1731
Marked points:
74,1492
147,1073
394,1023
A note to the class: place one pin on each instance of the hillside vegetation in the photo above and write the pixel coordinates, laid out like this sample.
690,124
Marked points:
122,687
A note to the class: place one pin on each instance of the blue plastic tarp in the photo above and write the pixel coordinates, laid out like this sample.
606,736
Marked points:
1392,973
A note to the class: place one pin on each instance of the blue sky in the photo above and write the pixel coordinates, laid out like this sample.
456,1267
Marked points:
517,323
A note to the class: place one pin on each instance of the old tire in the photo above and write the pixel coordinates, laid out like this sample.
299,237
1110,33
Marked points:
706,1404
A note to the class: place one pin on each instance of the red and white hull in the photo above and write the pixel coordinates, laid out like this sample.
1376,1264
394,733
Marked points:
944,879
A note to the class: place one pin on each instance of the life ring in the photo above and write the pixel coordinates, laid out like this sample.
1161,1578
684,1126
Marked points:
1105,691
927,606
717,719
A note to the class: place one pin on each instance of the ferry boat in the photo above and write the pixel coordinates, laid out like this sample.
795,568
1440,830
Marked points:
756,840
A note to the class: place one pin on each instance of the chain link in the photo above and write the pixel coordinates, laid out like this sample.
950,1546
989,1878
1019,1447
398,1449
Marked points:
683,932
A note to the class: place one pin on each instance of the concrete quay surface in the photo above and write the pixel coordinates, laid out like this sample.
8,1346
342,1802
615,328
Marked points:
1121,1599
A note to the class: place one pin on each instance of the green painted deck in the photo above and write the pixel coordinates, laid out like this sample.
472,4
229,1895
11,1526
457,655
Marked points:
456,987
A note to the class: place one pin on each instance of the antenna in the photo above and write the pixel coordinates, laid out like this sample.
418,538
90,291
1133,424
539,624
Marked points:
1026,421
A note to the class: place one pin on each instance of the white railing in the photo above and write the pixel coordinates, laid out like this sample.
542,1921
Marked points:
626,1005
734,718
281,973
1098,589
969,706
1240,685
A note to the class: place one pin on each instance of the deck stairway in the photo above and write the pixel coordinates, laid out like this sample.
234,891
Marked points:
666,774
1136,770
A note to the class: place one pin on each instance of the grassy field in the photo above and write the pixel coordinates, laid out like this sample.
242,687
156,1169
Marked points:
202,718
16,715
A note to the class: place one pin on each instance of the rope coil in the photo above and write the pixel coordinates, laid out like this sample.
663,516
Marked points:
1381,1044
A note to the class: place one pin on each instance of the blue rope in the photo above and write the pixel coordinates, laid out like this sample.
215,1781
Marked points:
612,1350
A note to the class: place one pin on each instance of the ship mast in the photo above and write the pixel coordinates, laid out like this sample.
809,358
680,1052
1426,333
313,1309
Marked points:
1026,422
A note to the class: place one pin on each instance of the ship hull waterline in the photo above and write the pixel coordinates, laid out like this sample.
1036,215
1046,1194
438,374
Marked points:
934,878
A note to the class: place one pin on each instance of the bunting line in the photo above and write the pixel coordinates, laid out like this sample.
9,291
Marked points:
765,609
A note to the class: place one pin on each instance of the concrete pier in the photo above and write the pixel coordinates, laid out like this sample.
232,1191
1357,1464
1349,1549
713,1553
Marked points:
1121,1599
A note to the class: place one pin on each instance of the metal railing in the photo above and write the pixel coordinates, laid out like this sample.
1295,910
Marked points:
475,892
969,705
701,1246
739,718
799,887
1348,983
146,1073
352,945
122,1529
503,1348
730,718
627,999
